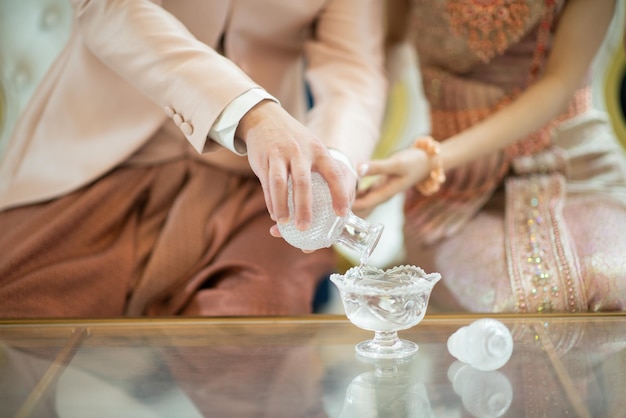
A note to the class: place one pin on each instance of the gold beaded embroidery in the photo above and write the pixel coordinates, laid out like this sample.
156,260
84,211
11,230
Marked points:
488,26
543,276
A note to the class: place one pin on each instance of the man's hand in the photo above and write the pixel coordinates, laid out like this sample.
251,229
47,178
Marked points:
279,147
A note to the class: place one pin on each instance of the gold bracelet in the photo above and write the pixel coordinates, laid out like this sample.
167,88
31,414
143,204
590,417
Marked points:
437,176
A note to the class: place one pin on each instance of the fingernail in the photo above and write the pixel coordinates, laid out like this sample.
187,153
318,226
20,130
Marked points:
363,169
283,220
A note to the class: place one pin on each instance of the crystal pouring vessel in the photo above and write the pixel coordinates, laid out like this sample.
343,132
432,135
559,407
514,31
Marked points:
385,302
327,228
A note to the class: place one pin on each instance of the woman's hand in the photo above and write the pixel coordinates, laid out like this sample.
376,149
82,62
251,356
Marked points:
389,177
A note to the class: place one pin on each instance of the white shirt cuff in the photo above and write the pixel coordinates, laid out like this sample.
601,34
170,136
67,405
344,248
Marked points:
223,130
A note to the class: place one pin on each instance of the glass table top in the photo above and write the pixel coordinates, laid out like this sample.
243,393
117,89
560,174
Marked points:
561,366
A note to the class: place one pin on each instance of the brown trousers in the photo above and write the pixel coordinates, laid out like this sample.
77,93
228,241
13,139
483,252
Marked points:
179,238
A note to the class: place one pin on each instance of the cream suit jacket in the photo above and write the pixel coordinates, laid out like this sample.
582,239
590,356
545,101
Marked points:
131,65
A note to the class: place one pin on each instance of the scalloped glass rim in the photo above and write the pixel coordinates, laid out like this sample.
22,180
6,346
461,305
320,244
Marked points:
342,281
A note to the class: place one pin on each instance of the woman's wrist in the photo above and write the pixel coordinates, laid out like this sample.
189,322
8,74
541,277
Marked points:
436,176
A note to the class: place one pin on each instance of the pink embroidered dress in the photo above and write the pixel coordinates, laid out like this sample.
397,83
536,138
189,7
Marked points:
536,227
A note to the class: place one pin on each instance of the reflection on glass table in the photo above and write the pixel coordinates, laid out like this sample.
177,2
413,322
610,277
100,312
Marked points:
386,391
485,394
305,367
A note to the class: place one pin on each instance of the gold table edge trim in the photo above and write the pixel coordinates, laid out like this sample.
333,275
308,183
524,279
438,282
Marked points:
314,318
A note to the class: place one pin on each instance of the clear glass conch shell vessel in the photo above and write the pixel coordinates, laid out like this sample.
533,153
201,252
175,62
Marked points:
385,302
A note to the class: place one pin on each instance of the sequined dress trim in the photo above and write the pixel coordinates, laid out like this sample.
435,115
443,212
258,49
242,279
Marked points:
543,267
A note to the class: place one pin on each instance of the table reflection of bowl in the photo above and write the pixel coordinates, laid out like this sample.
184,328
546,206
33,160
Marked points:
385,302
386,392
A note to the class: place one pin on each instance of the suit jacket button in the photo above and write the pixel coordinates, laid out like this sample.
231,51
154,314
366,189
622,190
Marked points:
186,128
178,119
169,111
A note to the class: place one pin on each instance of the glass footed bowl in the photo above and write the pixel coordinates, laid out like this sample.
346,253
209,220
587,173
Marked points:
385,302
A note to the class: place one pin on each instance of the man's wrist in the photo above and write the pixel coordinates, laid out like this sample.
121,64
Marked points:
224,129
